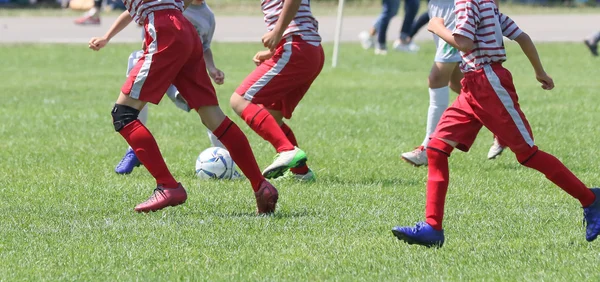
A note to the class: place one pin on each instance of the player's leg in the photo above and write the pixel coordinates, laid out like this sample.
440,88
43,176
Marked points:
130,160
197,90
457,128
405,42
513,128
592,43
147,82
294,65
303,172
439,97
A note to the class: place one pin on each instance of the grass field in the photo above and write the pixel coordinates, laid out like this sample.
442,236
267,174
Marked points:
68,216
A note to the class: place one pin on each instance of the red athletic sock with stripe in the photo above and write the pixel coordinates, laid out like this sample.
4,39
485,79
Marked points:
560,175
237,144
263,123
290,136
438,177
144,145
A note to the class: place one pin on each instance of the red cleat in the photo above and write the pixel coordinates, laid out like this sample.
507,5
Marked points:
88,20
162,198
266,198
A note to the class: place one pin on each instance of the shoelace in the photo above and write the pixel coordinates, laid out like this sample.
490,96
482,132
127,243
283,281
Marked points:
418,227
157,190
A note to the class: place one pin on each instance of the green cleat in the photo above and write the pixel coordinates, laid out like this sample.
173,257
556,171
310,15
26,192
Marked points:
284,161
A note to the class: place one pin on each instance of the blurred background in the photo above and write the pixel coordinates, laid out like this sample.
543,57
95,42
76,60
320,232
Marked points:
241,4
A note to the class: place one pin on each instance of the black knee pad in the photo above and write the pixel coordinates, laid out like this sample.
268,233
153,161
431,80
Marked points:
123,115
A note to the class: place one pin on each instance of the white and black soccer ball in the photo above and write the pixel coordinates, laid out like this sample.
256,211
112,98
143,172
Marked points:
215,163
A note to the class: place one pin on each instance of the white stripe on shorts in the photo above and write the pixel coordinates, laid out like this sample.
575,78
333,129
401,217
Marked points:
141,76
508,103
275,70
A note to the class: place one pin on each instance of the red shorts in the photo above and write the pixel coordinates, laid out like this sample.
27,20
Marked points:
488,98
173,56
281,82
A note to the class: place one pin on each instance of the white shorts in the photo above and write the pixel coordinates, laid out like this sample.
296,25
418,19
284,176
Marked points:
444,52
172,92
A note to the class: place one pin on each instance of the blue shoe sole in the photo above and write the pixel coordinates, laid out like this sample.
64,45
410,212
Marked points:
123,173
402,237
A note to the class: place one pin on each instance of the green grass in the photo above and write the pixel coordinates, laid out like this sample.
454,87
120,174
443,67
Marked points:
67,216
360,8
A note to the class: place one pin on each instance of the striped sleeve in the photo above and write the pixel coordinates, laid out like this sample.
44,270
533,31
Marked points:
510,29
467,18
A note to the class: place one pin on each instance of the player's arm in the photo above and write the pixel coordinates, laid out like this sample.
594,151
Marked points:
512,31
216,74
463,35
532,54
460,42
96,43
288,12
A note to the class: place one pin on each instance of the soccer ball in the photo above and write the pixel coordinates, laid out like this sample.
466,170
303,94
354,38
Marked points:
215,163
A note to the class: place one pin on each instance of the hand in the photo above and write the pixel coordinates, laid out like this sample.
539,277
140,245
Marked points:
271,39
546,80
217,75
434,24
262,56
97,43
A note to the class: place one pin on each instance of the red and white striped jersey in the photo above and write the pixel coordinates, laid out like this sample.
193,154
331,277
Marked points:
481,21
140,9
303,24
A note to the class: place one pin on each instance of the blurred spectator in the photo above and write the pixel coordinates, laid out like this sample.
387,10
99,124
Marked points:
389,10
592,43
91,17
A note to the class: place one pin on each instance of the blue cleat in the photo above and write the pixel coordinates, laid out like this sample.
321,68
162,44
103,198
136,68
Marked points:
128,162
422,234
591,216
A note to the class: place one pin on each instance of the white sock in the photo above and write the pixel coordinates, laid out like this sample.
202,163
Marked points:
438,102
214,141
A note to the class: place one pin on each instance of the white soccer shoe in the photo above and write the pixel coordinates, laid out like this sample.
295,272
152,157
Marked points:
366,40
416,157
495,150
284,161
410,47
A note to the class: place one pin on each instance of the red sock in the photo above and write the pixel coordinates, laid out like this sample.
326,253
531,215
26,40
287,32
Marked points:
290,136
146,150
263,123
237,144
560,175
438,178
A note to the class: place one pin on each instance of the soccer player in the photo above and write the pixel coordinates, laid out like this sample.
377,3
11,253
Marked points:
592,43
488,98
444,75
174,56
203,19
377,35
283,75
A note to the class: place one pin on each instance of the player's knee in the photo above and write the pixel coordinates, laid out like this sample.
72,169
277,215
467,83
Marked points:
123,115
525,154
437,147
437,79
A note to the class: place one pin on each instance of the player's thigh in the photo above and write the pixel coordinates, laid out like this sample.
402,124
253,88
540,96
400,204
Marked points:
150,77
499,110
458,124
194,84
